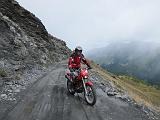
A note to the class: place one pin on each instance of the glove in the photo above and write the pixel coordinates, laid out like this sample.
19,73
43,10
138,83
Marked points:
89,67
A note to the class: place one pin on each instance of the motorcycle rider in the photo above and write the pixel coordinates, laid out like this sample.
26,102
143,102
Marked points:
75,60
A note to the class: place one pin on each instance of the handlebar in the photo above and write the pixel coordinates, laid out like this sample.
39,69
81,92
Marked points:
88,68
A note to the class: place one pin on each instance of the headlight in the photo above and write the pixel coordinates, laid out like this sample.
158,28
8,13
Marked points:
85,77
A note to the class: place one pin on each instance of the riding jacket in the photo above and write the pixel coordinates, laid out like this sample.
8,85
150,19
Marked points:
75,61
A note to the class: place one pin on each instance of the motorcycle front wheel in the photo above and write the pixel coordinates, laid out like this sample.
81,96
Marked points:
90,95
70,87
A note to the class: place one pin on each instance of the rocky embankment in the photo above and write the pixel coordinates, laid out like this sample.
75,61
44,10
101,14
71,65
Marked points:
26,48
107,88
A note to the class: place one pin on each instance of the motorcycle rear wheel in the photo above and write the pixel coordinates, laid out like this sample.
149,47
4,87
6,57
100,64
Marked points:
70,87
90,95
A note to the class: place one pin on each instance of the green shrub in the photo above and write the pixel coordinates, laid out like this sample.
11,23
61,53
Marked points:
3,73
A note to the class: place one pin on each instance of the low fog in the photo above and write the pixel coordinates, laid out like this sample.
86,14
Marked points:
135,58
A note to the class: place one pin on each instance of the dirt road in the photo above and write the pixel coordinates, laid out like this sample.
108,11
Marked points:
48,99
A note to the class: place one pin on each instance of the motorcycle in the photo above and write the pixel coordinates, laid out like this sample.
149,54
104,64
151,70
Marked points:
81,84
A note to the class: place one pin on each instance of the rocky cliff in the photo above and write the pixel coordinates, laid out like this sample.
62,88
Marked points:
24,41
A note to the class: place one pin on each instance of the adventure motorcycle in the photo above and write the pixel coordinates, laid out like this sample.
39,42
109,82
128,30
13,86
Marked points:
81,84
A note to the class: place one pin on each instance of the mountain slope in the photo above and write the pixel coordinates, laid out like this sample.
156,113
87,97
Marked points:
24,41
141,93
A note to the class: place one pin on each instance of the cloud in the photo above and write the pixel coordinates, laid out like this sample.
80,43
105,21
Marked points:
92,23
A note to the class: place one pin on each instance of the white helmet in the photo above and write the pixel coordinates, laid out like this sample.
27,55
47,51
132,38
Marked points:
78,48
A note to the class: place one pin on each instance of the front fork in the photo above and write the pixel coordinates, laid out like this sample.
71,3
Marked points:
84,85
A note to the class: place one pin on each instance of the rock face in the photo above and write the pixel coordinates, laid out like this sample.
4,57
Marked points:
24,41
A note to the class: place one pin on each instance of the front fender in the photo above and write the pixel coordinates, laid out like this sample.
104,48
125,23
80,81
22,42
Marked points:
89,83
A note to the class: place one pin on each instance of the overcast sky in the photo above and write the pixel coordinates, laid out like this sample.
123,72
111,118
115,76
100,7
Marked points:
93,23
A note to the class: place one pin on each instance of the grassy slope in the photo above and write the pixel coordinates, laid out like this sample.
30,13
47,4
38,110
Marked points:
138,90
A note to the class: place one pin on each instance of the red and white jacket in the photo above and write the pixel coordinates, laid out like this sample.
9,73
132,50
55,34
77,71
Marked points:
75,61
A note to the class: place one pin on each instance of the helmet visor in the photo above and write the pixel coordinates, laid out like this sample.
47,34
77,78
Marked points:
78,52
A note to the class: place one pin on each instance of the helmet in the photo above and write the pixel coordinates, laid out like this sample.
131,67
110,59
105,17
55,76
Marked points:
78,48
